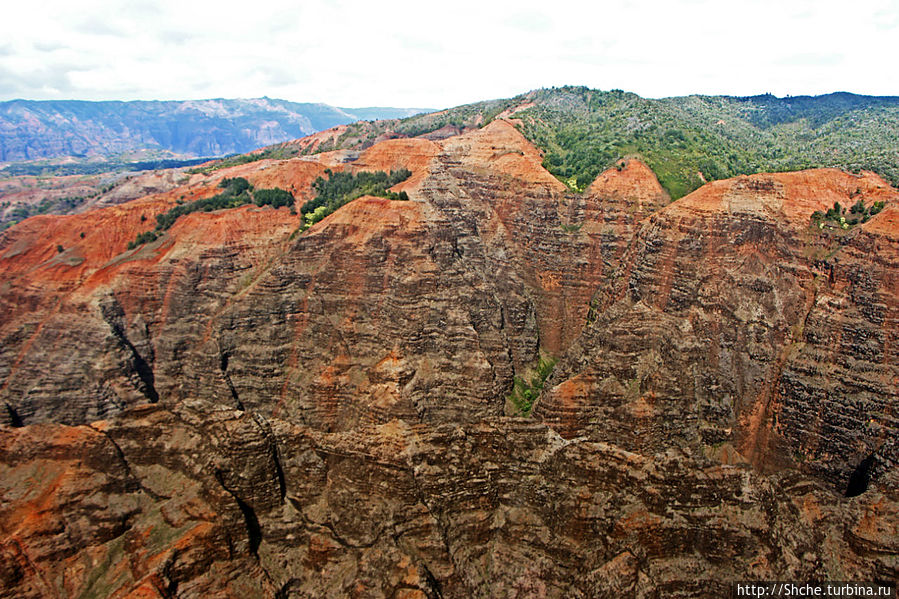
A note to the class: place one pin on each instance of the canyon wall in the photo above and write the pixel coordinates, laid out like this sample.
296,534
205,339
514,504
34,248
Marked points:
242,409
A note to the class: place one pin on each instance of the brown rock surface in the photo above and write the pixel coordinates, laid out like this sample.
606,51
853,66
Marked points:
208,501
730,320
328,413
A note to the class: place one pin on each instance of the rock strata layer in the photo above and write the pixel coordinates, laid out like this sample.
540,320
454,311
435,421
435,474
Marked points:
206,501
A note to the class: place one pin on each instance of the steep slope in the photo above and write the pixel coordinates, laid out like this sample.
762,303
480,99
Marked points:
498,252
71,301
733,321
245,411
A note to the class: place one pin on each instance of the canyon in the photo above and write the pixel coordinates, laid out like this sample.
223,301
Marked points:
242,408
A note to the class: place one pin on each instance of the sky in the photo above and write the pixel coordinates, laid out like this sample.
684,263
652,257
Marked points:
439,54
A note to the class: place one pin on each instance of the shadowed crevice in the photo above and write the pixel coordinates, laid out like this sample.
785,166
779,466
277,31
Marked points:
860,477
114,315
15,420
223,366
433,590
291,588
269,435
254,530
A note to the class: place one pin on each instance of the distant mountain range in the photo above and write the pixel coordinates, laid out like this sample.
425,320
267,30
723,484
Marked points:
31,130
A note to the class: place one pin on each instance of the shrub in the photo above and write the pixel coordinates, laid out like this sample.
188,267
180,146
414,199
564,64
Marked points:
235,186
316,215
273,197
236,192
145,237
524,393
344,187
835,217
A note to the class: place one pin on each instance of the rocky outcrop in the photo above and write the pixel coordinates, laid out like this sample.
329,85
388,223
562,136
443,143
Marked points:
733,322
258,412
99,304
420,310
208,501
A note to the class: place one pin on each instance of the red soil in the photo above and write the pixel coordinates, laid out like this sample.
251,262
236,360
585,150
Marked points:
791,197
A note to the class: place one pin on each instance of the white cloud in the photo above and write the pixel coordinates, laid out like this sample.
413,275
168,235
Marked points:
403,53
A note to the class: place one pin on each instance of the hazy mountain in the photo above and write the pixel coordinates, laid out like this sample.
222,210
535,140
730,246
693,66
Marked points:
44,129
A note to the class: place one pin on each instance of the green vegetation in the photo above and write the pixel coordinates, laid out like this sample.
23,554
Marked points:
839,218
236,192
344,187
689,140
145,237
686,141
278,152
93,167
524,393
49,206
273,197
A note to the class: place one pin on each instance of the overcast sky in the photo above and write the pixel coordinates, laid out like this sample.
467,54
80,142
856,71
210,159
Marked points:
439,54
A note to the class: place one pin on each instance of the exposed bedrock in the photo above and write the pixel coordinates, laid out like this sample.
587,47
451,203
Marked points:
731,324
204,500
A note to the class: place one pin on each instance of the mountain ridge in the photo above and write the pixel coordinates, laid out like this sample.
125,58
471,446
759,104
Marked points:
33,129
686,140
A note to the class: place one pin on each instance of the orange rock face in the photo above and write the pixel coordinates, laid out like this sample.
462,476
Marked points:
791,197
395,154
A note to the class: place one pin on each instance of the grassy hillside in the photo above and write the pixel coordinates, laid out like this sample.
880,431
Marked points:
686,140
690,139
